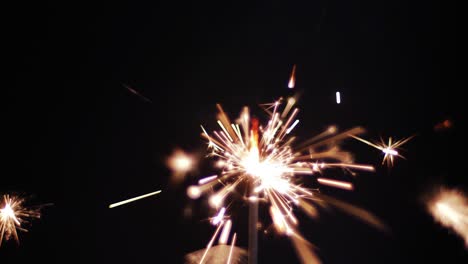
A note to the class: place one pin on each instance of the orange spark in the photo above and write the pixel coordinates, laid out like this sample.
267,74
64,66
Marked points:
444,125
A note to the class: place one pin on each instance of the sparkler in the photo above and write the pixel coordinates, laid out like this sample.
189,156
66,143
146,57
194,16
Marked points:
389,149
12,215
261,161
450,208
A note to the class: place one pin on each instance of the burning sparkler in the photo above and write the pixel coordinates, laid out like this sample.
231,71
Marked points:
389,149
12,215
260,161
450,208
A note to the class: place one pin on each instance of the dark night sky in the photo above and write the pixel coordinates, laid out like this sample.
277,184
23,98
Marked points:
75,137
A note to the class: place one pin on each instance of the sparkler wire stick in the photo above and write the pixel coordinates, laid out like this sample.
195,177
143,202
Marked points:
133,199
253,233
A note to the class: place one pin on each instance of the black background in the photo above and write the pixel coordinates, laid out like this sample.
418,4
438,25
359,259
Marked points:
75,137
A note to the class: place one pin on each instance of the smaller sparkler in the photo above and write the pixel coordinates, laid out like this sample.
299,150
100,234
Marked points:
389,149
12,215
133,199
450,208
338,97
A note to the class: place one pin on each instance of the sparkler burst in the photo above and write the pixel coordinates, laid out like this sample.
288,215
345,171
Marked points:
12,215
390,149
450,208
263,164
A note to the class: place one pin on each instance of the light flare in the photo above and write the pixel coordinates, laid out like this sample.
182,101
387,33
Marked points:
180,163
389,149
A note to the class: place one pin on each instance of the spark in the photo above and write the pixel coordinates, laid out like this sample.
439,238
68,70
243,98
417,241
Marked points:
450,208
261,160
390,149
338,98
444,125
210,244
12,215
233,243
287,108
337,184
303,249
135,92
207,179
223,238
292,126
219,217
133,199
292,78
